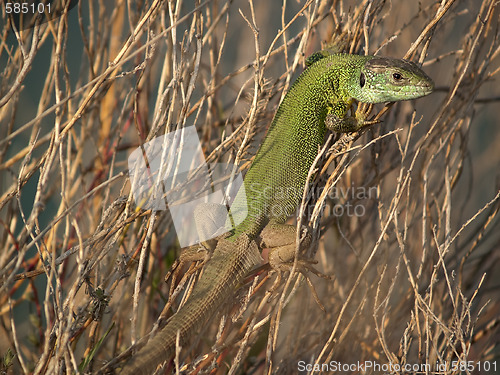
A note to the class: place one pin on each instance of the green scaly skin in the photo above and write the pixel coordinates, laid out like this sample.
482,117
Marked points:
319,99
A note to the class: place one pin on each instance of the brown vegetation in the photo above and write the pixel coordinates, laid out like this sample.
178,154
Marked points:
82,267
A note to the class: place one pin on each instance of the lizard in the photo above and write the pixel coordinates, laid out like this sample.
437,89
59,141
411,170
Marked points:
319,100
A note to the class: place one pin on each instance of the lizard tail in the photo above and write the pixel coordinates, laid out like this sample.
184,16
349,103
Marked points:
226,269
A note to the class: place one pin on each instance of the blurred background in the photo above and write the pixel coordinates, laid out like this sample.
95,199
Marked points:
408,226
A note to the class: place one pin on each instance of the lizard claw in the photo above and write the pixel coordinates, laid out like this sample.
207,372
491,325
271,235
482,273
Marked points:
191,255
303,267
196,253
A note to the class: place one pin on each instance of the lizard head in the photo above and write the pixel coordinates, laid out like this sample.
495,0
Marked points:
383,79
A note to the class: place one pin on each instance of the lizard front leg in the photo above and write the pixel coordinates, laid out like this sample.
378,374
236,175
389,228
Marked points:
339,121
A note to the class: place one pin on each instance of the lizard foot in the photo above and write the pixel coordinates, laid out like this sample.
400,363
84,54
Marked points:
196,256
304,266
348,123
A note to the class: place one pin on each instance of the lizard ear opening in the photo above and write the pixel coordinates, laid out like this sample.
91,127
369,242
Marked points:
362,80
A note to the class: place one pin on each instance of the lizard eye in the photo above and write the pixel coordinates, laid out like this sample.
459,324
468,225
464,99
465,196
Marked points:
397,76
362,79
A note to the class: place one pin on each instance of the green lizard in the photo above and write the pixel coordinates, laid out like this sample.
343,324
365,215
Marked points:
320,99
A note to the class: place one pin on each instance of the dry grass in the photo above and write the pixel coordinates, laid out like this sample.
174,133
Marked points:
415,267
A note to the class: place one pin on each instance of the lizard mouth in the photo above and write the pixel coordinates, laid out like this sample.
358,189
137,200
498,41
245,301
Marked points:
418,90
422,88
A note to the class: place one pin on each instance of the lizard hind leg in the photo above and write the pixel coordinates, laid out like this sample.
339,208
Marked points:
210,220
281,241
